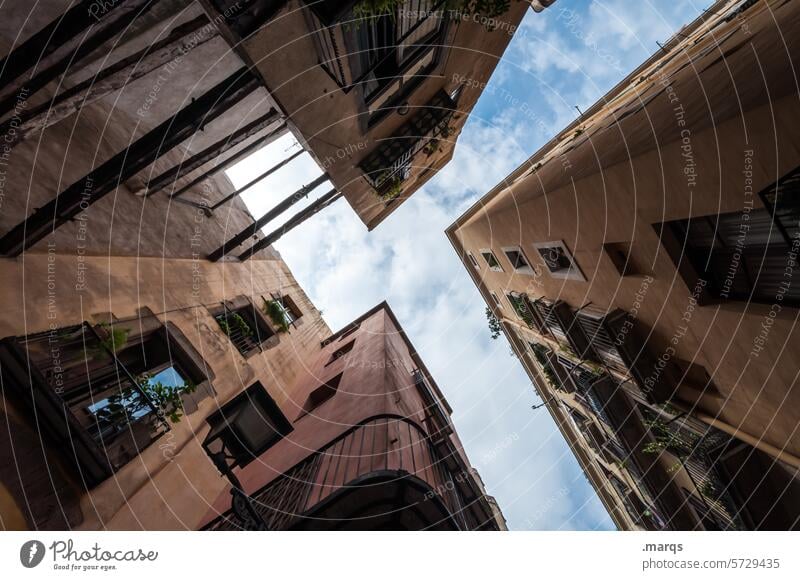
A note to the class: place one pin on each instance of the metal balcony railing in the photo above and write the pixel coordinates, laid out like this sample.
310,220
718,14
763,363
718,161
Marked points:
560,322
617,341
391,161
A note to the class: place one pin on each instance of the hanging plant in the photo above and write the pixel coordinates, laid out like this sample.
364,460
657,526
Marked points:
112,340
494,325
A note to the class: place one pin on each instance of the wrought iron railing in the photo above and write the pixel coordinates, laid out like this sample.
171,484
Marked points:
384,444
240,334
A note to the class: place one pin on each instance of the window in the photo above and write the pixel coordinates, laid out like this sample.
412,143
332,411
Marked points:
291,312
104,393
393,52
559,261
244,428
244,325
491,261
320,395
496,300
746,255
519,262
341,351
474,261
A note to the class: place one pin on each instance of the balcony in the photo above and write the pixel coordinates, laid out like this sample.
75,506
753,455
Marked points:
384,56
84,397
700,450
384,472
104,393
618,342
527,312
390,164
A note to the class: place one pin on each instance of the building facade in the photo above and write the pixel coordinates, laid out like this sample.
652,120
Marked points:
643,266
130,111
128,345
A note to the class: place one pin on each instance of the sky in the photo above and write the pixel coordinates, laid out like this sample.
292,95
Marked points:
566,57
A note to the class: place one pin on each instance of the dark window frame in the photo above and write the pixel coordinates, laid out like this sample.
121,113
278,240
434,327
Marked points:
223,425
62,400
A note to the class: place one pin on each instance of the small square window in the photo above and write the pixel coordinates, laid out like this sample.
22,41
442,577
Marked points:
559,261
519,262
321,395
473,261
244,325
491,261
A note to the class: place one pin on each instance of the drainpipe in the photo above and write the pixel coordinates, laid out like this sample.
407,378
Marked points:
760,444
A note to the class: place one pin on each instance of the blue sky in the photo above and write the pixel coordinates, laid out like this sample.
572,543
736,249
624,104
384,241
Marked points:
567,56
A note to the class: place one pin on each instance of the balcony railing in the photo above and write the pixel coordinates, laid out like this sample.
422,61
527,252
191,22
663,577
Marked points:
385,444
527,312
699,448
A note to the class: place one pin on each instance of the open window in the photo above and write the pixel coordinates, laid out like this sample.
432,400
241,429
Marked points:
244,325
291,311
244,428
106,392
519,261
320,395
491,260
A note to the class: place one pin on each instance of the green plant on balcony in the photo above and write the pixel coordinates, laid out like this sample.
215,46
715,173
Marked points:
494,325
432,147
232,322
391,187
370,9
113,340
277,314
547,367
